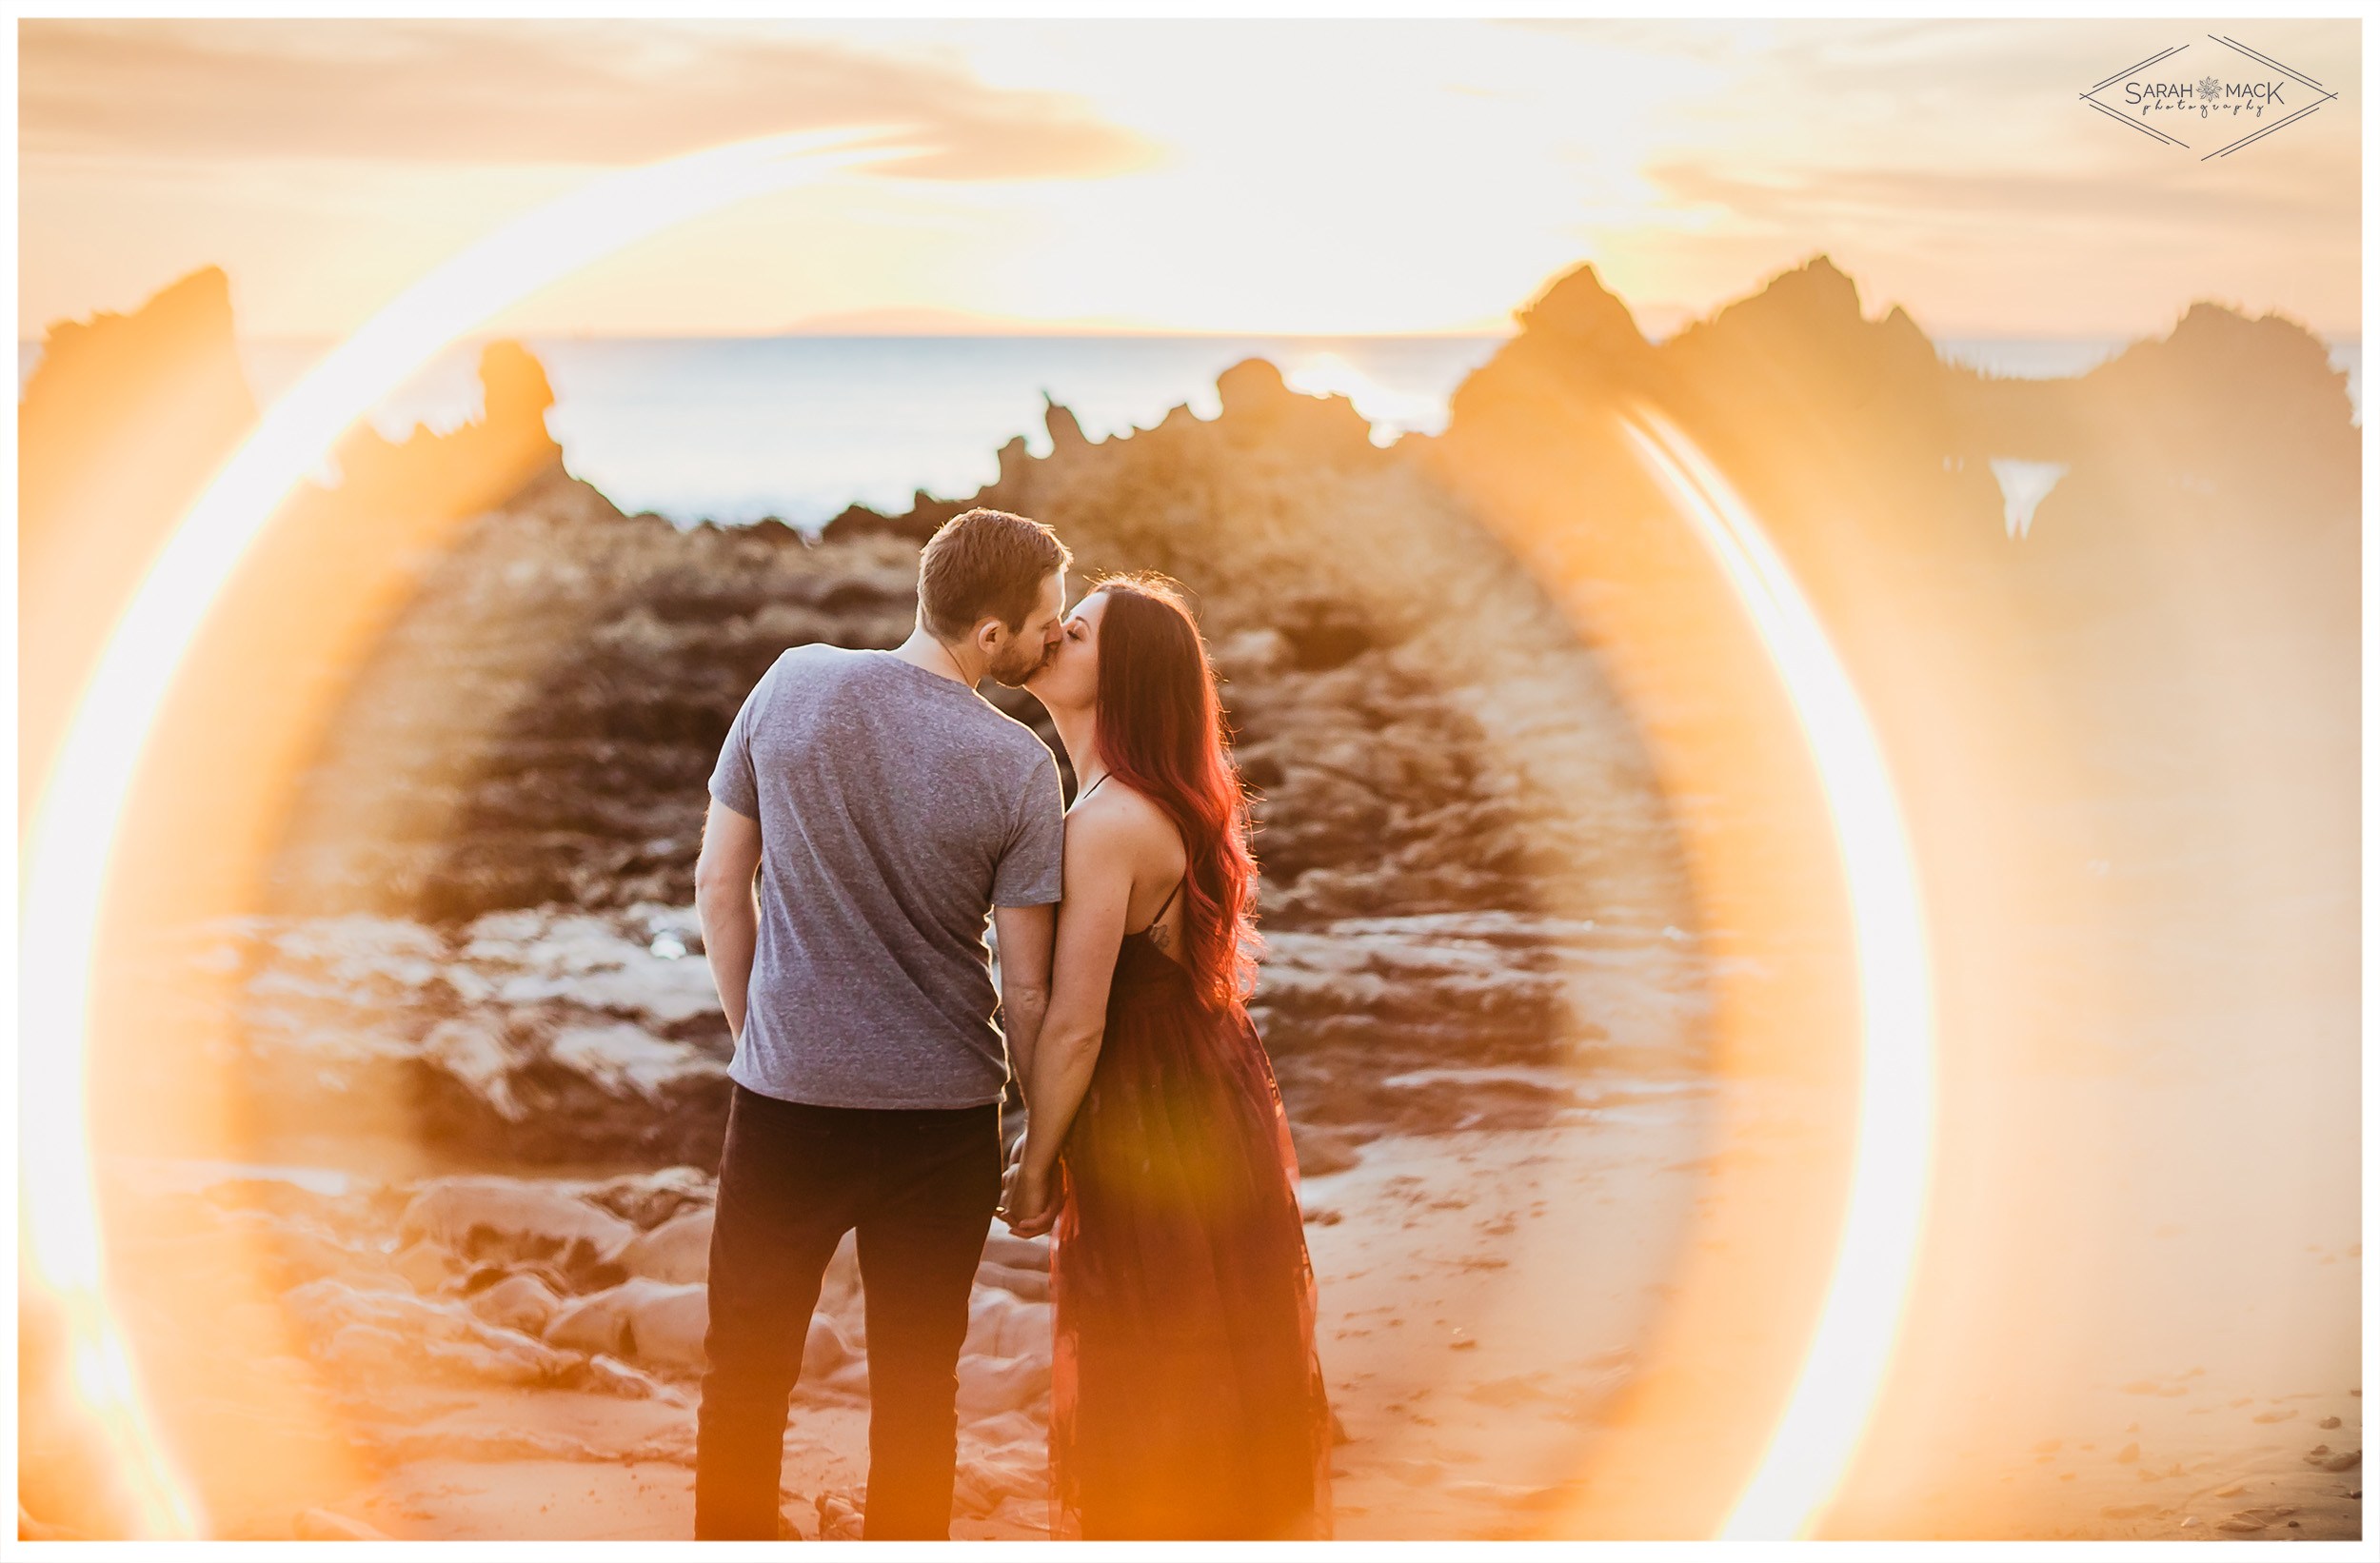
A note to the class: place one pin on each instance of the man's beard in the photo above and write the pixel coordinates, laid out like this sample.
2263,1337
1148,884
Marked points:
1017,675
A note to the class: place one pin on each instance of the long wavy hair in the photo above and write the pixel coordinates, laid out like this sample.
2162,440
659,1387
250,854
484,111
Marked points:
1161,730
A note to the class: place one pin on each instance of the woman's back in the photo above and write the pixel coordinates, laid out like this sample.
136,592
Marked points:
1162,858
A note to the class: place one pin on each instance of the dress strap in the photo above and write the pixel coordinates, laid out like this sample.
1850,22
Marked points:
1167,904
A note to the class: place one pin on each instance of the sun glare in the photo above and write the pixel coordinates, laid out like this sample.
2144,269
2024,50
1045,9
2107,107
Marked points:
1390,411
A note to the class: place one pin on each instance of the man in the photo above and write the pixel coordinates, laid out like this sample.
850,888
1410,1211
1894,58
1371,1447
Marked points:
888,808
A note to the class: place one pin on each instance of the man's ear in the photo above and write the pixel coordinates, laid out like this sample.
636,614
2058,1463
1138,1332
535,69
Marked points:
987,633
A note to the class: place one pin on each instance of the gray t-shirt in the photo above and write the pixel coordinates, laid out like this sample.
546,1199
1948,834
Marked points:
897,807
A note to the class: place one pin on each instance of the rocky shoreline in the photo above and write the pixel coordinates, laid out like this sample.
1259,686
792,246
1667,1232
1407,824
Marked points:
483,898
559,1037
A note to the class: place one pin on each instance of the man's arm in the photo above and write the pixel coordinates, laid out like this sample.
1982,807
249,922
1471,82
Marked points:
1027,934
1090,932
724,898
1024,913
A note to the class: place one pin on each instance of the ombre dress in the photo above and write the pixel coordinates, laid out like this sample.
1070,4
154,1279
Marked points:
1187,1400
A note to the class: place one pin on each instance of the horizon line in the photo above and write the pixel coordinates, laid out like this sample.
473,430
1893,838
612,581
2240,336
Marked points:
1955,335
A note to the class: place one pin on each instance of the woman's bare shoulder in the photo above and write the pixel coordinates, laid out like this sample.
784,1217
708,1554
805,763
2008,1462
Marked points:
1118,816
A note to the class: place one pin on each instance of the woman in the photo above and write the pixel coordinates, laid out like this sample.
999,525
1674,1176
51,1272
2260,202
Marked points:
1186,1401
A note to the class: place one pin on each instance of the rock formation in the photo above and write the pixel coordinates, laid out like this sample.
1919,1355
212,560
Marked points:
124,419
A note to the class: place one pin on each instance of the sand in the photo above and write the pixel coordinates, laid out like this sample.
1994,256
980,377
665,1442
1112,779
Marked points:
1462,1392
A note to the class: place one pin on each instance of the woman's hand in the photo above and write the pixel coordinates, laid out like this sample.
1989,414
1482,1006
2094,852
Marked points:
1027,1197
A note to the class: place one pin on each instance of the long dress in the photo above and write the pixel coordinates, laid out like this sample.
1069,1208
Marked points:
1186,1399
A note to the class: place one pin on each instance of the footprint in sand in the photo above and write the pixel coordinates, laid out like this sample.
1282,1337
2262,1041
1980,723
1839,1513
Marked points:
2327,1421
2126,1455
2256,1519
2274,1415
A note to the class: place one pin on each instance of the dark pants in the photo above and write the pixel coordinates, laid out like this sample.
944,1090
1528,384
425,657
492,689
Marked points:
920,1185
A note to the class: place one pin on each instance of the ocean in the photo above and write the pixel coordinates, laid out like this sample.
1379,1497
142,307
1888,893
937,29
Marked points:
736,428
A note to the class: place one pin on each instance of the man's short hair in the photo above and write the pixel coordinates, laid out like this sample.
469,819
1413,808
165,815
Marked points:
984,563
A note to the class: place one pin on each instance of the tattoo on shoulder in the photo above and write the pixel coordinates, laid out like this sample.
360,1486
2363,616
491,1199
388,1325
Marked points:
1161,936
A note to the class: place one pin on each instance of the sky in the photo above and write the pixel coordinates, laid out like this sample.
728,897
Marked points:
1294,177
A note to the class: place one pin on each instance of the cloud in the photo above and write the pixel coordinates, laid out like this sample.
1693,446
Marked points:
583,92
1937,199
1811,61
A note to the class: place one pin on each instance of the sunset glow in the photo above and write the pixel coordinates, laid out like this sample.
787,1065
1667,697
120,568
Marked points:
1146,175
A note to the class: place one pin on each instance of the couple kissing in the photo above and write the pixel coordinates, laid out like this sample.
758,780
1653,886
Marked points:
871,815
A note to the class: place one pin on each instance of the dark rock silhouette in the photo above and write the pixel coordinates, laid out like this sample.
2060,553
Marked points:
2172,639
608,654
121,423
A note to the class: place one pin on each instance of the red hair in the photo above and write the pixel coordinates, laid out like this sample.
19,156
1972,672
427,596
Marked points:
1161,730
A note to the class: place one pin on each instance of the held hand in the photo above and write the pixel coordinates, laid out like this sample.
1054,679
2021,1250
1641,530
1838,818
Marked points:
1019,1152
1007,1209
1029,1206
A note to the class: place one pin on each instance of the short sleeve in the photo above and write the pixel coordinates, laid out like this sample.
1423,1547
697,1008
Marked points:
1032,871
733,781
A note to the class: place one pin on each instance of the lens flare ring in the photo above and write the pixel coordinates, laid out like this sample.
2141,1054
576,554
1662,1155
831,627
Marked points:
75,824
1843,1367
